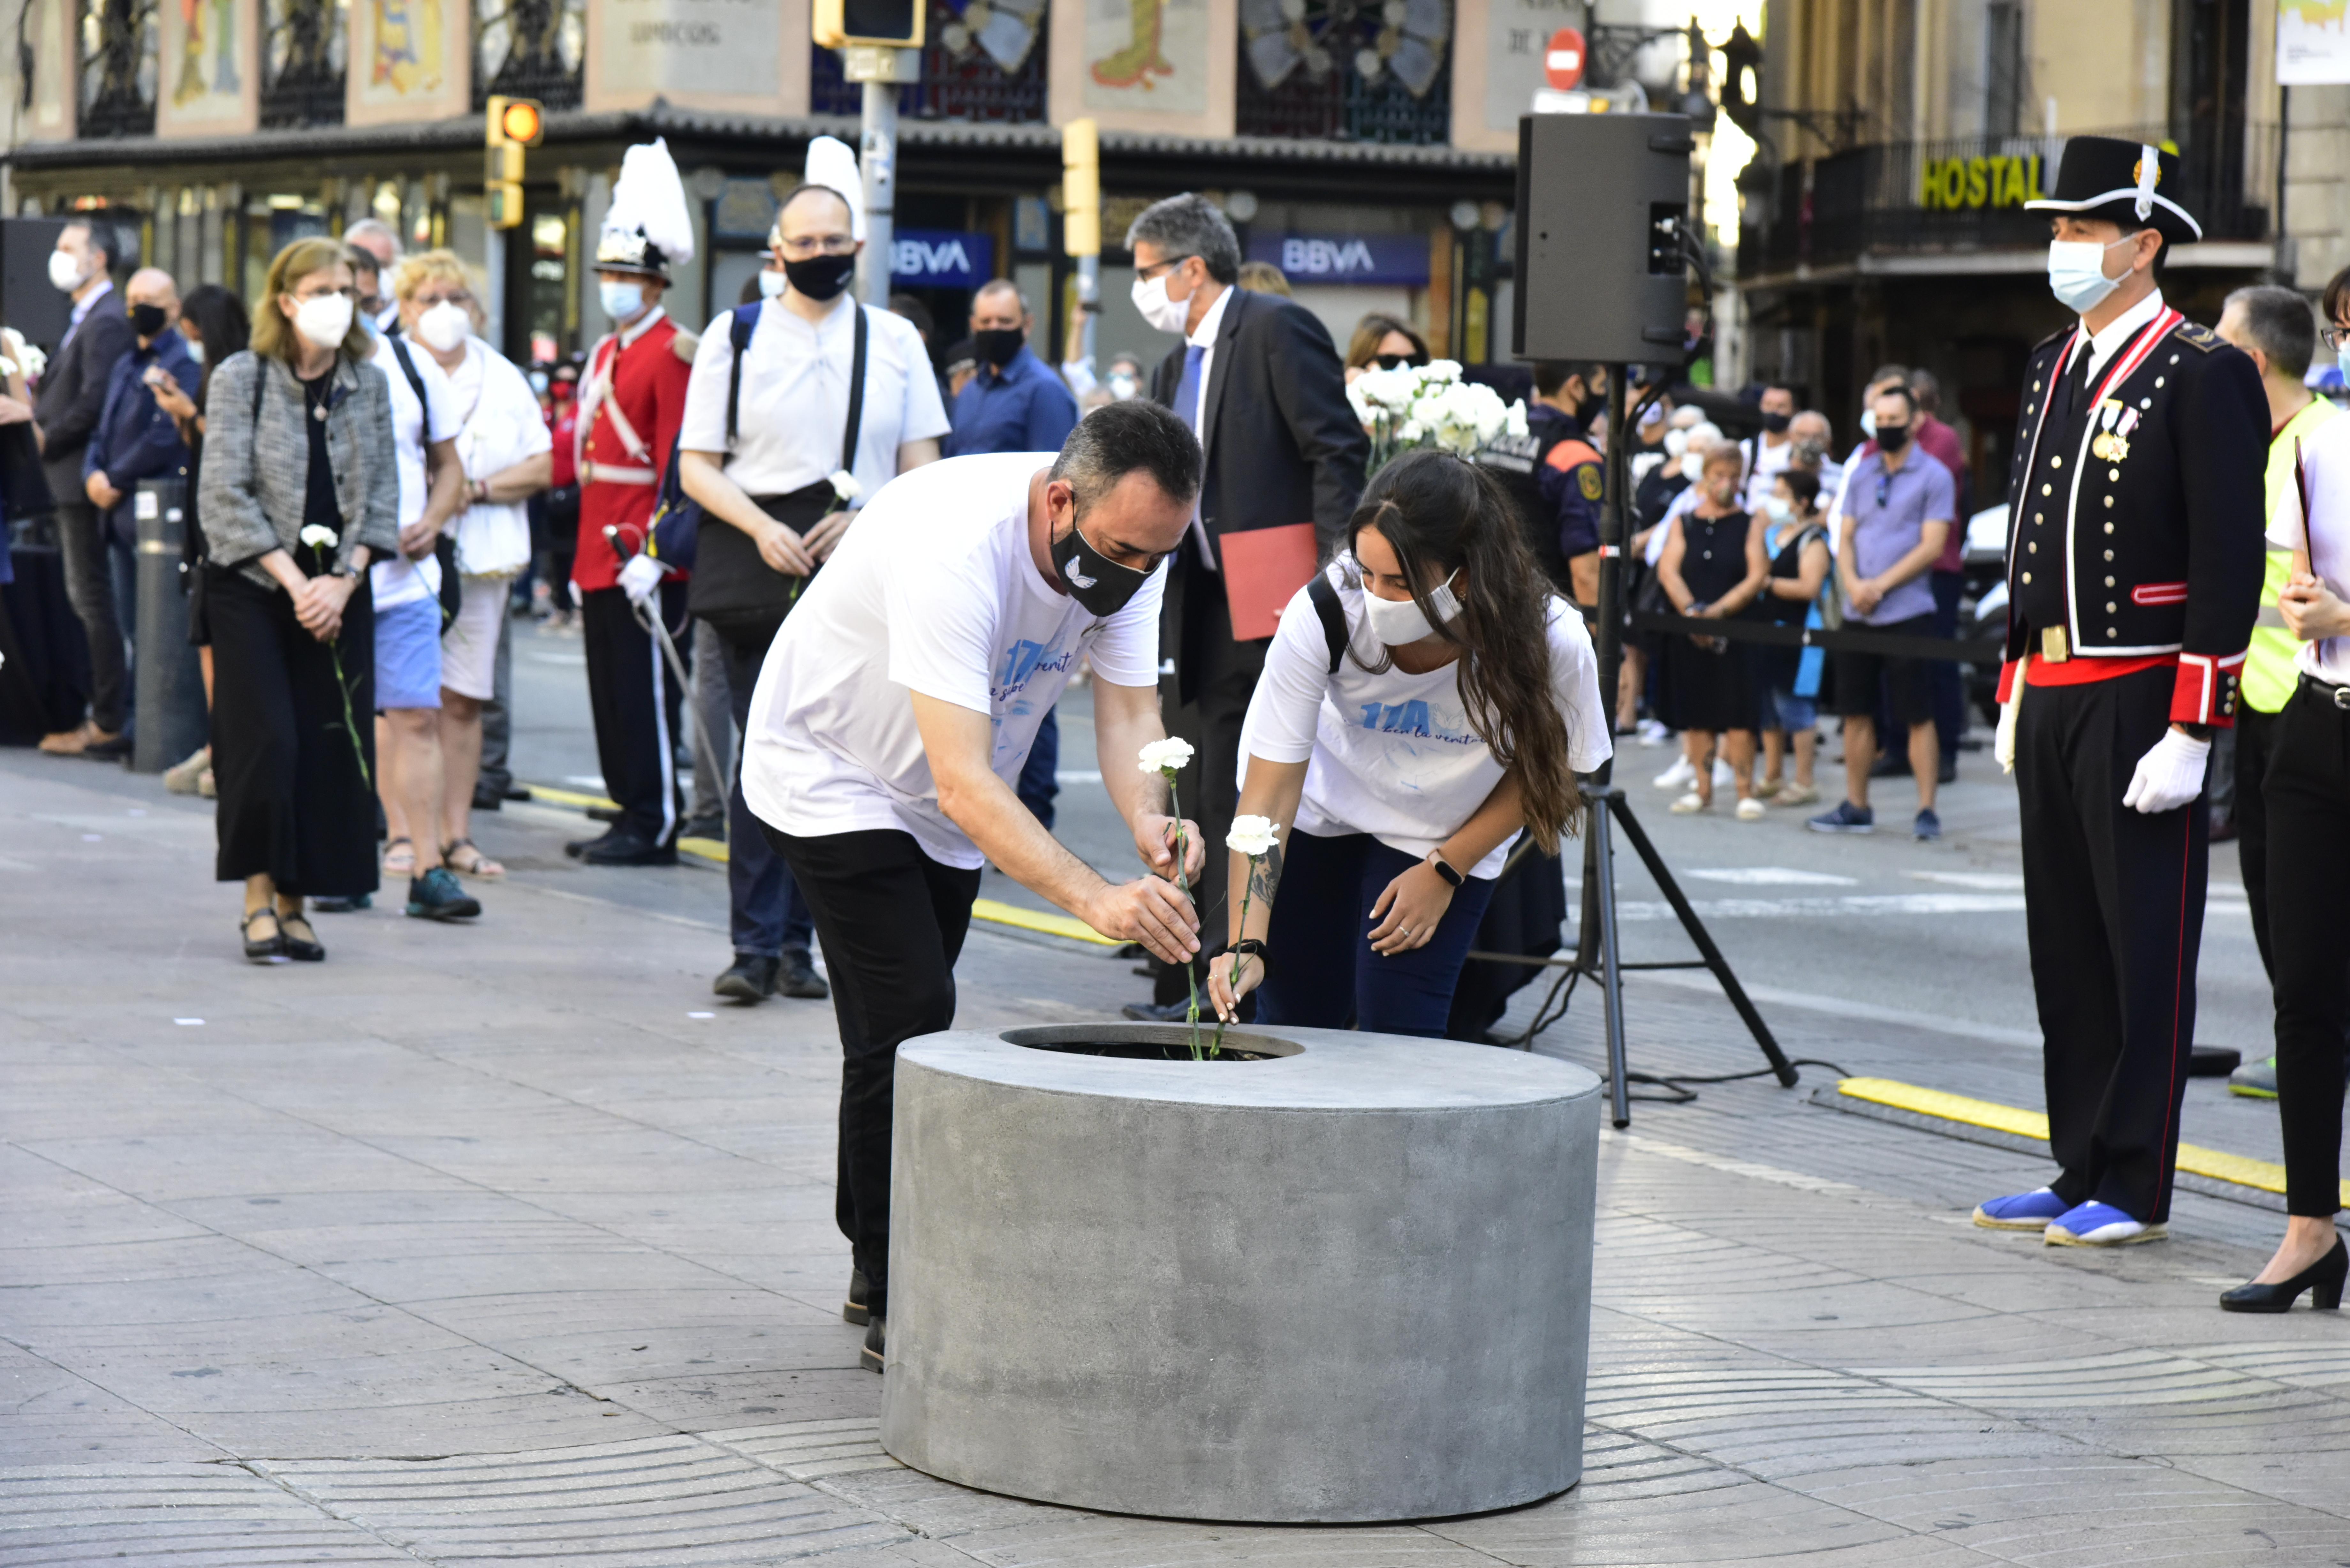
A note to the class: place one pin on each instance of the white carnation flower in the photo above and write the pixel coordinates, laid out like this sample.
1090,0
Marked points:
1252,836
324,537
1514,421
1160,756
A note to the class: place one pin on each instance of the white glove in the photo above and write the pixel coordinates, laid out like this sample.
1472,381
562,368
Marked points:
639,579
2170,775
2003,746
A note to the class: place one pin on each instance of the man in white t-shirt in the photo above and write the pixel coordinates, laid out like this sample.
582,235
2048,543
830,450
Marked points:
407,591
1769,452
894,711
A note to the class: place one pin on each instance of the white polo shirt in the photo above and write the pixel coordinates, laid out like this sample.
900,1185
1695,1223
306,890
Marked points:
793,400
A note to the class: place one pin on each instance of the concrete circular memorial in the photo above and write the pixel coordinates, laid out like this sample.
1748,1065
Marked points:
1346,1279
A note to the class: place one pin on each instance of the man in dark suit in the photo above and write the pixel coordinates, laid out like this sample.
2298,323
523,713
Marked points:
1259,382
65,412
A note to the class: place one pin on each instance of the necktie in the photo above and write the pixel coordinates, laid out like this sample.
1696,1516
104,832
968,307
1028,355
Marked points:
1188,390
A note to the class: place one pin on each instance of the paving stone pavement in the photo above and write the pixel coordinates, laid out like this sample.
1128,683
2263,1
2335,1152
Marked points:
509,1244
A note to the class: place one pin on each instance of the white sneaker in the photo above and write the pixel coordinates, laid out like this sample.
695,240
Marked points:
1723,778
1680,775
1653,732
1750,810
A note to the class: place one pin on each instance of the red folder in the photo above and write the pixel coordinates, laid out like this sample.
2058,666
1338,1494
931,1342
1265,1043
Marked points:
1264,569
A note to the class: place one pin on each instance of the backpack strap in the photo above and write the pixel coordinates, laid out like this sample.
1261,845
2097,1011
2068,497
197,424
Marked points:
1332,615
415,385
855,396
738,334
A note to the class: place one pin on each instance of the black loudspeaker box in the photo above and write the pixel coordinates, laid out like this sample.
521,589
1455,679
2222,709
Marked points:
28,301
1602,202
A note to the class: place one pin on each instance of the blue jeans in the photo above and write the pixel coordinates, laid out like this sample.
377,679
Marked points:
1320,970
766,916
1038,785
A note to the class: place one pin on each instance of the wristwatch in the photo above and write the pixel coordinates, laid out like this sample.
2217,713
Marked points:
1436,858
1247,947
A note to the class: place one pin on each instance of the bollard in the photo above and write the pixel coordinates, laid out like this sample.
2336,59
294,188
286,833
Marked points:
171,717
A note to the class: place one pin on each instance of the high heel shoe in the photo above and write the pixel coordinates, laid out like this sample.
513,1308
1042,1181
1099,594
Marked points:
2322,1280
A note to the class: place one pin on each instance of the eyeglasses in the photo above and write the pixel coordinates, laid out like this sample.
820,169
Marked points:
801,250
1145,273
1884,486
2334,335
351,293
454,296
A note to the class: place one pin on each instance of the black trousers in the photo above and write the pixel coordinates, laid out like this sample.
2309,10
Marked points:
2113,909
290,734
635,697
765,914
1208,791
2307,788
2255,737
891,921
90,584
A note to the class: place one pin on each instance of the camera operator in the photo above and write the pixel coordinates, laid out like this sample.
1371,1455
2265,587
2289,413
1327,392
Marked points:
830,400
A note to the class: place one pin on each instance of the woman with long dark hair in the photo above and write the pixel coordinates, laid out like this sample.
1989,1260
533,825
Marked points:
299,493
1424,699
213,322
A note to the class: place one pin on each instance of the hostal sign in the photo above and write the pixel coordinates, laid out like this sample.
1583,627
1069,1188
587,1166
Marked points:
1958,184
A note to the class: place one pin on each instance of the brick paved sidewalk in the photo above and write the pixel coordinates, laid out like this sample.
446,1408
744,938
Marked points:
477,1245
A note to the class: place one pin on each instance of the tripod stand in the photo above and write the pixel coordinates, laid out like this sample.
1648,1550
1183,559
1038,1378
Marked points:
1597,950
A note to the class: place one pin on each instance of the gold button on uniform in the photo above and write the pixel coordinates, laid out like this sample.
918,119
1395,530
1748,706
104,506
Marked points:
2033,548
2057,459
2109,555
2027,576
2110,608
2047,490
2110,582
2113,474
2109,527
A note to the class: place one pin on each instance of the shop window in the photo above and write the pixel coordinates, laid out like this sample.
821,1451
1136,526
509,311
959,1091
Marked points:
1351,70
303,49
530,48
982,61
119,41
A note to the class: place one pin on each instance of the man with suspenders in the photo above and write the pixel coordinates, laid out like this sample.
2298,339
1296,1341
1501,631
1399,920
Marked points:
631,403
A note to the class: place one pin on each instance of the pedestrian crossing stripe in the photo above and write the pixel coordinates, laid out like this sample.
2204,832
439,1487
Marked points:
2212,1164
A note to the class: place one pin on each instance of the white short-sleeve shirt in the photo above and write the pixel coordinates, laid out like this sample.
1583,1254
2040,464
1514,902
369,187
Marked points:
2325,535
934,591
1393,755
794,399
400,580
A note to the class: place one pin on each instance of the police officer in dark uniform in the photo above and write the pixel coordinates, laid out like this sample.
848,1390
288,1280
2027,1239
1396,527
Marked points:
1553,473
2134,575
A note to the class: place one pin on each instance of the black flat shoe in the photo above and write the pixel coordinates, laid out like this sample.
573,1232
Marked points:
302,948
2322,1280
627,849
874,1355
853,1309
796,976
750,978
265,950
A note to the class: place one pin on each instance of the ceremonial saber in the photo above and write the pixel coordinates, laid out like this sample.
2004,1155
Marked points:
652,622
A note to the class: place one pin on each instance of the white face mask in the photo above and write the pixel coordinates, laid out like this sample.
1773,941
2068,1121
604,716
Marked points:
1780,512
2076,273
324,319
1693,466
1166,314
445,326
772,283
66,275
1396,622
195,350
1123,386
1868,421
1676,442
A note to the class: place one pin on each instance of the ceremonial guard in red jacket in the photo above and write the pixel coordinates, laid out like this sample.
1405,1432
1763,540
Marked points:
632,396
2135,555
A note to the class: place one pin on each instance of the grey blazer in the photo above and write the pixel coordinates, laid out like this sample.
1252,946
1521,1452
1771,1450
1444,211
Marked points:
255,474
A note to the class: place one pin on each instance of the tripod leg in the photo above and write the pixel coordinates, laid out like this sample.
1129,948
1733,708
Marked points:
1611,974
1779,1065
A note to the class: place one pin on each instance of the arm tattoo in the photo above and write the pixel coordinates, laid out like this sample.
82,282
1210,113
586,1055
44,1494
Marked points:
1264,876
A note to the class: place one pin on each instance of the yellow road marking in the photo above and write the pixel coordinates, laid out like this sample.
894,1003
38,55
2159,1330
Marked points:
570,797
2214,1164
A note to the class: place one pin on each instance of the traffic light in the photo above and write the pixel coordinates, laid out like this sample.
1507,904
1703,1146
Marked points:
513,124
1081,188
888,24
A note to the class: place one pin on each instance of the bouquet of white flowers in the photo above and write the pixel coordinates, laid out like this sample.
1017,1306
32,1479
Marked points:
1430,405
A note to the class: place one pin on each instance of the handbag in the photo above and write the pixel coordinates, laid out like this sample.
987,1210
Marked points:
24,486
733,587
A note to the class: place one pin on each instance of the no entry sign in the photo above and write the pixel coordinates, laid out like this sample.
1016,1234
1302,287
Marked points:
1563,59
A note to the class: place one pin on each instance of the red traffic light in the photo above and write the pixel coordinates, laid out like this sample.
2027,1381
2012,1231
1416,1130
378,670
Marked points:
1563,59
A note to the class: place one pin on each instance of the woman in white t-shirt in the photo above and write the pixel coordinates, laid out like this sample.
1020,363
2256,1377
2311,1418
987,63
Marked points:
1460,704
2307,789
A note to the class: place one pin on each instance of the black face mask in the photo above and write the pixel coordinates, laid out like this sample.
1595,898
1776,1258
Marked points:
149,320
1892,437
1777,423
998,345
1099,584
820,276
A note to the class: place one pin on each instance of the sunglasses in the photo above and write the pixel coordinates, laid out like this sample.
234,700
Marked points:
1398,362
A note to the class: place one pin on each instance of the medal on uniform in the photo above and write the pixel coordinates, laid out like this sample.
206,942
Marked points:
2118,447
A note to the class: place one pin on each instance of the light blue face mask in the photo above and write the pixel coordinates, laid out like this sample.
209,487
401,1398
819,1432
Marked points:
621,300
2076,273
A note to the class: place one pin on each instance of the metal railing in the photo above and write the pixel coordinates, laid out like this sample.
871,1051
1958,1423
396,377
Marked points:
964,74
1968,194
530,48
118,67
1321,90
